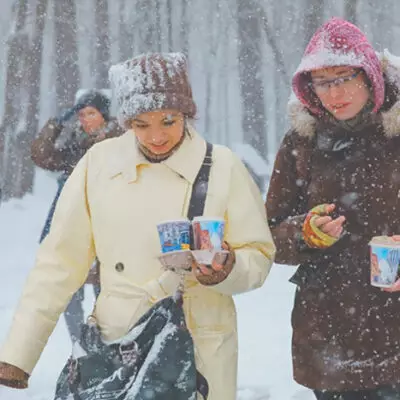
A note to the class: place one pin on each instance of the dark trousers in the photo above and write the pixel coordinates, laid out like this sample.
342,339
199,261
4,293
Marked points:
74,314
61,182
382,393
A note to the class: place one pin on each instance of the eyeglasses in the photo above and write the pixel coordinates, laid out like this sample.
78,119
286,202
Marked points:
324,86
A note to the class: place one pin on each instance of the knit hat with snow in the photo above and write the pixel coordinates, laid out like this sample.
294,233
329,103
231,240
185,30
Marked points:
338,43
152,82
95,99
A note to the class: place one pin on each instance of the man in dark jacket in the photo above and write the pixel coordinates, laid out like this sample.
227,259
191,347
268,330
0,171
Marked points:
94,125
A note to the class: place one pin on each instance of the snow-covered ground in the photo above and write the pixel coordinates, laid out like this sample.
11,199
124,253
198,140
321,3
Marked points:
265,370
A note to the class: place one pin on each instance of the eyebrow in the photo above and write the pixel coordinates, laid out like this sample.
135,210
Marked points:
164,118
340,72
172,116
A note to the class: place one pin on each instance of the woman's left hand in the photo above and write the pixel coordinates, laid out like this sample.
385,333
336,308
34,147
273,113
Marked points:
394,288
216,272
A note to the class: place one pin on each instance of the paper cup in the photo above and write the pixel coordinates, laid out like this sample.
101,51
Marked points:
208,233
385,261
174,235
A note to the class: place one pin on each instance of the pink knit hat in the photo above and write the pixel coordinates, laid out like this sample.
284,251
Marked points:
338,43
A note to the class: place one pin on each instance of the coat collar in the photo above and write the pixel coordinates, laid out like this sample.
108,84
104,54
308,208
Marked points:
305,124
186,161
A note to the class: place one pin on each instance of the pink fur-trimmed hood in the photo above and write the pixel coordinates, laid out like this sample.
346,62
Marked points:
338,43
304,122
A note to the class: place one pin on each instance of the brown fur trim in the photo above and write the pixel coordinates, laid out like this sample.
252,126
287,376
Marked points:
300,119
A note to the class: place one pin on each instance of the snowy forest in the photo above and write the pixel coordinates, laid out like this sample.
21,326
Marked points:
242,54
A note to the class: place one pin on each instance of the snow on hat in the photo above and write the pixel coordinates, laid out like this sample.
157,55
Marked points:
152,82
338,43
95,99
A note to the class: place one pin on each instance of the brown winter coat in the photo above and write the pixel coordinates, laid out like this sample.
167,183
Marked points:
46,154
346,333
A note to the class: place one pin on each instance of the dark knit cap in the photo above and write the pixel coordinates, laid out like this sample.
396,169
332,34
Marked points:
152,82
96,100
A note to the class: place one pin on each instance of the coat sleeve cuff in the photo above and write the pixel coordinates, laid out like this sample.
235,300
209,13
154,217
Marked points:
249,272
15,354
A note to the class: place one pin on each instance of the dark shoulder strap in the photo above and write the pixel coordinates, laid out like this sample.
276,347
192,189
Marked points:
196,209
200,186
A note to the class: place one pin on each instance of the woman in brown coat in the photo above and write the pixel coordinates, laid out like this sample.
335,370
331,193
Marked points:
93,125
335,185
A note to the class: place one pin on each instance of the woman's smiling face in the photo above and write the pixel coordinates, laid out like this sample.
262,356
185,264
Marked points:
159,131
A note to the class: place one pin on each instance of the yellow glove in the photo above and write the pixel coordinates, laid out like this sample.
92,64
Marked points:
313,236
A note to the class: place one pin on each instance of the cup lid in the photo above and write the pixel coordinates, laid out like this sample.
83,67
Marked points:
202,218
384,241
172,221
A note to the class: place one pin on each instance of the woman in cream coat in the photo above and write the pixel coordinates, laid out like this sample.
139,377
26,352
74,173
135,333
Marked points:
110,207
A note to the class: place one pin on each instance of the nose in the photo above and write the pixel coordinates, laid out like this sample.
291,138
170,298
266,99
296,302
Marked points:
156,136
336,91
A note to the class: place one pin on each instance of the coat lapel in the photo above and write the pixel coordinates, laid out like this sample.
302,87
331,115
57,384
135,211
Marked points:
128,158
186,161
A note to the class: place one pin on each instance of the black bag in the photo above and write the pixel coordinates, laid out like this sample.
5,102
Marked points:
155,360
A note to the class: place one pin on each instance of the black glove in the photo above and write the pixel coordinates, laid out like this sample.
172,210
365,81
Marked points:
66,115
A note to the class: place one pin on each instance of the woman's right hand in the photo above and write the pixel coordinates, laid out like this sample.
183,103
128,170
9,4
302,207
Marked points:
12,376
66,115
328,225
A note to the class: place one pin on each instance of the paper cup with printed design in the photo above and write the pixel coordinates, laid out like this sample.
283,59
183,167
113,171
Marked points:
208,236
174,235
385,261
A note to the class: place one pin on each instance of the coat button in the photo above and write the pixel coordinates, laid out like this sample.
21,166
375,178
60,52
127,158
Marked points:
119,267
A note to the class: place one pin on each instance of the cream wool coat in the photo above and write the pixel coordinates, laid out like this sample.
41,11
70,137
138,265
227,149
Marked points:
110,207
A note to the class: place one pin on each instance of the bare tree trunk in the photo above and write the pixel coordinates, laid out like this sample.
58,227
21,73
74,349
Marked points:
102,43
150,26
18,43
313,18
184,27
147,41
125,34
66,53
350,10
33,80
382,16
209,66
169,25
271,38
157,41
273,23
224,81
250,72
